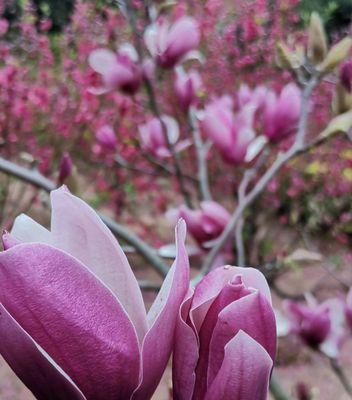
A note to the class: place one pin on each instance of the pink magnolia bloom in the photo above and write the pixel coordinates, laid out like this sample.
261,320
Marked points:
186,87
281,113
231,133
320,326
204,224
225,341
153,138
105,135
257,96
72,322
170,44
119,70
65,168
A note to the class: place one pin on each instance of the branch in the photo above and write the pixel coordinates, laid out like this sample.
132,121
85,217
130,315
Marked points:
36,179
201,155
340,373
281,159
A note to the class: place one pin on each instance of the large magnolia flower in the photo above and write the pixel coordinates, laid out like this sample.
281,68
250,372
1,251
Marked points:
72,320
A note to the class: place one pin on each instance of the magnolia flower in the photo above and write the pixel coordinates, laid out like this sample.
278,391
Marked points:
170,44
231,133
320,326
72,322
186,87
281,113
225,341
65,168
204,224
105,135
153,137
346,75
119,70
347,305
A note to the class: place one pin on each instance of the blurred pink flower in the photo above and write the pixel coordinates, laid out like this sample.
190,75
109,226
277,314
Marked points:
281,113
170,44
205,223
320,326
225,342
119,70
231,133
186,87
4,26
153,138
73,323
105,135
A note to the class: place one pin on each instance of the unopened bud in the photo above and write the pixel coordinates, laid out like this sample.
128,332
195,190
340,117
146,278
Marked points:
65,168
317,43
336,55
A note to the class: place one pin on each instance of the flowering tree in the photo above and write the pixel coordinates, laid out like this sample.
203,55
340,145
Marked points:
163,103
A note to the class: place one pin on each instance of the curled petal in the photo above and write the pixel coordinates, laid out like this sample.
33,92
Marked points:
162,317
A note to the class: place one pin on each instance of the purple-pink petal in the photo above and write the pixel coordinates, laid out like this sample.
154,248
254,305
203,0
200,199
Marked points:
73,317
45,379
244,373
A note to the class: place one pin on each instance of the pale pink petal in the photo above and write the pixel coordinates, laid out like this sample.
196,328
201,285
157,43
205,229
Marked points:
102,60
25,229
78,230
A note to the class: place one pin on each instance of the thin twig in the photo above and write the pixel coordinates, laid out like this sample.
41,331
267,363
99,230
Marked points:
340,373
36,179
201,156
281,159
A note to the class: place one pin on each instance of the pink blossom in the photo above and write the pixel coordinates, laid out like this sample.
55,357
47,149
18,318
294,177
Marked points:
170,44
320,326
73,323
225,341
231,133
105,135
119,70
187,86
281,113
153,138
205,223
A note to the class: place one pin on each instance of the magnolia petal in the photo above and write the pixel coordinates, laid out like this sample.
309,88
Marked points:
45,379
73,317
9,241
77,229
101,60
185,355
210,286
162,316
252,314
25,229
244,373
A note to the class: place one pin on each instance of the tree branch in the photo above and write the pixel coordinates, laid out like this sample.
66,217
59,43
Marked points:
36,179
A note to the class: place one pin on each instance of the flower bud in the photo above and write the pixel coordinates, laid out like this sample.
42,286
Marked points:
346,75
317,44
106,137
65,168
186,88
336,55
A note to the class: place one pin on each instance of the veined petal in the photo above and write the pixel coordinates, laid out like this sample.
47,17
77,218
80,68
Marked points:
45,379
159,340
73,317
27,230
77,229
244,373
